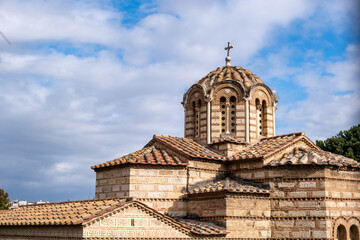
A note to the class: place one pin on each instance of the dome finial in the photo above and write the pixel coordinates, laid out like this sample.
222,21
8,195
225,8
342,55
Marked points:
228,58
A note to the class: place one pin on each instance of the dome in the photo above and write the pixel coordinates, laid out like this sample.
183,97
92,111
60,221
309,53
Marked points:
230,73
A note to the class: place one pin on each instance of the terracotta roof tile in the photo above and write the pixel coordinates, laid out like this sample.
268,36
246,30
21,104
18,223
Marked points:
232,73
189,147
147,155
82,212
203,228
64,213
301,156
268,145
230,184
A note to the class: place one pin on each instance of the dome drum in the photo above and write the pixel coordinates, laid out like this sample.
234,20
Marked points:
229,102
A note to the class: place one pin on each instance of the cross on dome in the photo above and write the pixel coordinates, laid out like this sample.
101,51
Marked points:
228,58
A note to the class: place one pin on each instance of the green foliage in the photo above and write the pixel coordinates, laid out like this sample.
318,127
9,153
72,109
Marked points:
4,200
346,143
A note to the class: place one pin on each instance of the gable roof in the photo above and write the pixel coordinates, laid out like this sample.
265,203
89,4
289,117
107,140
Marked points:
229,184
148,155
63,213
271,145
162,150
302,156
84,212
188,147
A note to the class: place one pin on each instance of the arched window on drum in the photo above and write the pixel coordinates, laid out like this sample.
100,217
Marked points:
261,113
232,114
228,115
223,115
196,114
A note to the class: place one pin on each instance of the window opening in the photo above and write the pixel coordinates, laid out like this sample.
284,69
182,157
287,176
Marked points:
341,232
223,114
354,233
232,114
259,115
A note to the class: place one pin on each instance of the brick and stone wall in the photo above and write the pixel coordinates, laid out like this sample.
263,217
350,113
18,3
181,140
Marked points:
41,232
243,215
132,223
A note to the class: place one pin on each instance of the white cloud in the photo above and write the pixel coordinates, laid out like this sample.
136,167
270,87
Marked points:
62,112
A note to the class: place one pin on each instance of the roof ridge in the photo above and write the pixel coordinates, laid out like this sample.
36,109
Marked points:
284,135
69,201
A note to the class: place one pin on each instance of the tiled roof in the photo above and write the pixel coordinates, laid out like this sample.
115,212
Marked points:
64,213
155,155
83,212
232,184
227,139
203,228
301,156
147,155
234,73
189,147
269,145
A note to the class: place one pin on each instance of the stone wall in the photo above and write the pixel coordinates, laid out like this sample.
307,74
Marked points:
307,201
132,223
113,182
160,187
248,215
41,232
342,192
243,215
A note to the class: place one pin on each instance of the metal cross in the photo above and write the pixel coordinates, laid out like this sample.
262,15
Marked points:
229,46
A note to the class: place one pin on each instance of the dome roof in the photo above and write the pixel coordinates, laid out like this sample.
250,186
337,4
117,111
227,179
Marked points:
232,73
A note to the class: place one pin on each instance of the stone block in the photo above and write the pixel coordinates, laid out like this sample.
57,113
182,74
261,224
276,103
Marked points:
317,213
284,204
166,172
307,184
297,213
286,184
319,234
146,187
297,194
300,234
305,224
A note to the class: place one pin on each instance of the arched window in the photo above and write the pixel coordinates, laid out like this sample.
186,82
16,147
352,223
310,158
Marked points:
258,117
354,233
228,115
261,108
196,114
341,232
223,115
232,114
195,119
264,118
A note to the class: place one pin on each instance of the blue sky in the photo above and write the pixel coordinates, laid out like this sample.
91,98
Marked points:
84,82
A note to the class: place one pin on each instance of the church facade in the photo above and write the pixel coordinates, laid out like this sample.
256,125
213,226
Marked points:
230,177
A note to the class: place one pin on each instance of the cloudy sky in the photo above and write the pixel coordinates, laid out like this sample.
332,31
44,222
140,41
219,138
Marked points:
84,82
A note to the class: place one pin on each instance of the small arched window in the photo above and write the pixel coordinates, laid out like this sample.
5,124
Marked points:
228,115
223,115
259,116
232,114
261,112
354,233
264,118
341,232
196,114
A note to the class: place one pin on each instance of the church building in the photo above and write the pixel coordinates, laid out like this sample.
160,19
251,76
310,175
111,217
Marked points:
229,177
